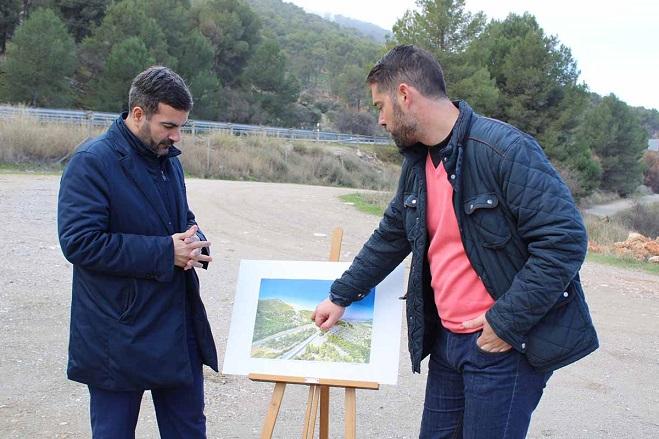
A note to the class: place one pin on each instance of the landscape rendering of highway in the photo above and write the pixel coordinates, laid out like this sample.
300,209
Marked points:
283,332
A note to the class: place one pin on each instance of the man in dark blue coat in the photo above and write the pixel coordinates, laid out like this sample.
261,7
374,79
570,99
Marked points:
137,319
494,295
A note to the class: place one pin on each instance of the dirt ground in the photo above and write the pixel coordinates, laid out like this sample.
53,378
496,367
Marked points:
613,393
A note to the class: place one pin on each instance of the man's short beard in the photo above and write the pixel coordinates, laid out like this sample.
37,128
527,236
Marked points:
159,149
162,148
404,132
404,136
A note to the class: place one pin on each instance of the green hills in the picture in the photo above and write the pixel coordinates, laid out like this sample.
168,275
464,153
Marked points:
283,332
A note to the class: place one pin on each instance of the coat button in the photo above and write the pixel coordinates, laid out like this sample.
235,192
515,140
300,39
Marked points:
565,294
471,207
489,201
452,176
523,346
413,201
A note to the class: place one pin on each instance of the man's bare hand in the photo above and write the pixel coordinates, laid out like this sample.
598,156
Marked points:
327,314
488,340
187,249
192,263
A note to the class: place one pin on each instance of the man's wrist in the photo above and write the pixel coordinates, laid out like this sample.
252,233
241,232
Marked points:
337,300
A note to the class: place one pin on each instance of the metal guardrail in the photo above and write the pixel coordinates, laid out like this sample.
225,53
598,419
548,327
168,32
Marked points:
98,119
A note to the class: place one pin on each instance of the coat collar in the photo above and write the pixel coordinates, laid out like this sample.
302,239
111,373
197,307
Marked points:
134,162
127,141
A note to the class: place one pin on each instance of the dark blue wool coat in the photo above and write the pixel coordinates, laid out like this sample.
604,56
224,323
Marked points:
128,328
520,229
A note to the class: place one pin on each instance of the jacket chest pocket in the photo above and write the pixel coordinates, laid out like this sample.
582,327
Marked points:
484,213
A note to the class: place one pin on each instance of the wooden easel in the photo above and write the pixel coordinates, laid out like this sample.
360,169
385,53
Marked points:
318,388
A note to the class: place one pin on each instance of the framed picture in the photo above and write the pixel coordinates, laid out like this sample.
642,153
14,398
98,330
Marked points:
272,331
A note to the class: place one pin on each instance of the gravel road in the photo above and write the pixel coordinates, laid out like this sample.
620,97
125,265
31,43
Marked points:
608,209
613,393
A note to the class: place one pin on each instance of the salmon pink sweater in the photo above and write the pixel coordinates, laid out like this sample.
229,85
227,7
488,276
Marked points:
459,293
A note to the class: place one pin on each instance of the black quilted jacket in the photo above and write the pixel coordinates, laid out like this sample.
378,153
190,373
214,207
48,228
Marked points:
521,231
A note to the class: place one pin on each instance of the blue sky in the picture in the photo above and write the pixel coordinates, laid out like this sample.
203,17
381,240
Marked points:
307,293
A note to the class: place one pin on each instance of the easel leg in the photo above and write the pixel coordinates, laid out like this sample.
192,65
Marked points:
324,412
273,411
351,413
335,249
312,411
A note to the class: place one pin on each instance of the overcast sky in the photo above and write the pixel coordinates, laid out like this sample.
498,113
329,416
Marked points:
616,49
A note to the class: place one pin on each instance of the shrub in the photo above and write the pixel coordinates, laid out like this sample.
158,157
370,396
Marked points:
388,153
641,218
355,122
571,179
651,172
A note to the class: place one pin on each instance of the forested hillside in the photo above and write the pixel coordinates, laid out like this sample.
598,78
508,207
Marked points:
268,62
329,61
370,30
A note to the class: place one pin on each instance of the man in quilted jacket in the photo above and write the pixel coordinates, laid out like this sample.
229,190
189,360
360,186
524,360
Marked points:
494,296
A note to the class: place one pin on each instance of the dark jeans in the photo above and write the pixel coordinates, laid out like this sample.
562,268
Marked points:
179,410
473,394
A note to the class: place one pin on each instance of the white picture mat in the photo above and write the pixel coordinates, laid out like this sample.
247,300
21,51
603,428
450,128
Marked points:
385,338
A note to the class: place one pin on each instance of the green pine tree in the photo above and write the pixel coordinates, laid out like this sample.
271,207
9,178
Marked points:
614,133
127,58
9,16
40,62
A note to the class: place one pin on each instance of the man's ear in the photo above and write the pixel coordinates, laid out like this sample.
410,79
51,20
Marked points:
404,94
137,113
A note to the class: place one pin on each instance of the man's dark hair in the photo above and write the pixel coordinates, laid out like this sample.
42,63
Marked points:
156,85
412,65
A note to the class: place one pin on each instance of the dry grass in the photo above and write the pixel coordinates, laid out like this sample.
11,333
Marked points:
605,231
639,218
26,141
225,156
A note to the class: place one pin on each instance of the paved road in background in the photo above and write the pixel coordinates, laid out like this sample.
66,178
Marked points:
613,393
